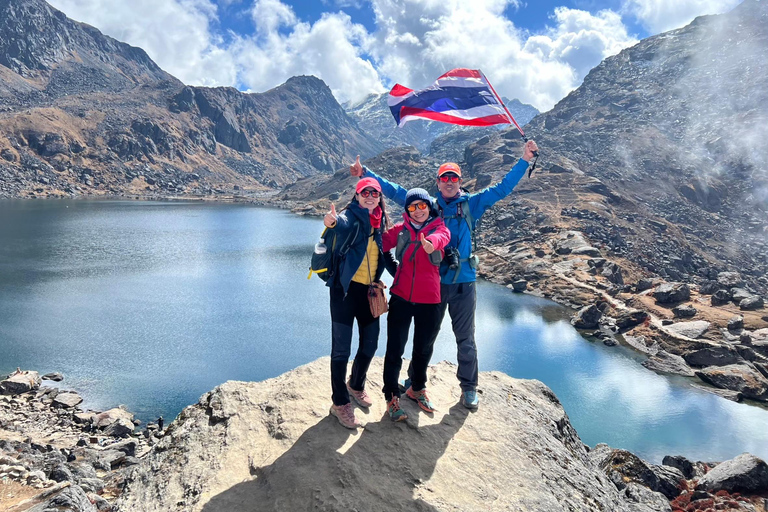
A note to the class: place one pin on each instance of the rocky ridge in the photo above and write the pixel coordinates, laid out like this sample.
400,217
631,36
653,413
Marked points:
273,443
54,453
81,114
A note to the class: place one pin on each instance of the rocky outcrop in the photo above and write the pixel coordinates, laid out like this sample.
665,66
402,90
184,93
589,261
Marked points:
20,382
743,378
744,474
273,443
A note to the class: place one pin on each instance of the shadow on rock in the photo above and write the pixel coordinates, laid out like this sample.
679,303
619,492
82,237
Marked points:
383,467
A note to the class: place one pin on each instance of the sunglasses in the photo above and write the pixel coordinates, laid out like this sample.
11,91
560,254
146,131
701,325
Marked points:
372,193
445,178
414,206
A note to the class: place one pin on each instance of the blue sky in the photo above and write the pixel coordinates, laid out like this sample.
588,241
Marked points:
536,51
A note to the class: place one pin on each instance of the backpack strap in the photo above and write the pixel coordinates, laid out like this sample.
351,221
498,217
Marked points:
470,220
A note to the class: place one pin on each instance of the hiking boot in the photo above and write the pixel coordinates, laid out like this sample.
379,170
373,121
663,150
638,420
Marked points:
421,398
469,399
361,397
346,415
394,410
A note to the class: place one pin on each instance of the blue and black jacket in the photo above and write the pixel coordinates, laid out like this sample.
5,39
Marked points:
452,210
345,223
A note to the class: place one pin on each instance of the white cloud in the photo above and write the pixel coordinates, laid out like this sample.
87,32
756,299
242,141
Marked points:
330,49
418,40
175,33
662,15
269,15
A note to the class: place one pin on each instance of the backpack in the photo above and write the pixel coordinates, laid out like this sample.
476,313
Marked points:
404,240
325,265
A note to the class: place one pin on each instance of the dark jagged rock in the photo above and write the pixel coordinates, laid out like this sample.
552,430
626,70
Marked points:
714,356
751,303
743,378
664,362
587,317
684,311
671,293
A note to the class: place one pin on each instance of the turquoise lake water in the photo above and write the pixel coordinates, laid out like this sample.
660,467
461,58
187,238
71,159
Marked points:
151,304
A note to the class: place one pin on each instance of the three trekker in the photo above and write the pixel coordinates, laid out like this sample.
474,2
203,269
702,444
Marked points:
437,272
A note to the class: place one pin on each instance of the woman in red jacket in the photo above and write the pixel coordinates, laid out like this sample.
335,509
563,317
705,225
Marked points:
415,294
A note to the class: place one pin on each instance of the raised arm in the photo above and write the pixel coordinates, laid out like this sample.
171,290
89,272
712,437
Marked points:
391,190
481,201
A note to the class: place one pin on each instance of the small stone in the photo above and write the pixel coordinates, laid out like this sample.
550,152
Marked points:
736,323
56,377
751,303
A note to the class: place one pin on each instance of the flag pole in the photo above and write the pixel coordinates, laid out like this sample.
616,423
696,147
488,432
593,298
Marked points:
512,119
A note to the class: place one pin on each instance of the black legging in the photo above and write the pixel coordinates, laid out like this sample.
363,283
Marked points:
344,312
426,320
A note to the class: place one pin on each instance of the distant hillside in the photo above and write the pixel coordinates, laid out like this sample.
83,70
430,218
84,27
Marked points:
82,113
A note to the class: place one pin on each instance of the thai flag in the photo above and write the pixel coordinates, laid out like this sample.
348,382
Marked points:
461,96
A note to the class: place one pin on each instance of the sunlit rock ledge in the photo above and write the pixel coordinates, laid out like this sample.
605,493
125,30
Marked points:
272,446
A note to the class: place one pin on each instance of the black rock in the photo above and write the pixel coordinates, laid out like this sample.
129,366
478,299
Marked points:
751,303
686,311
670,293
587,317
720,298
679,462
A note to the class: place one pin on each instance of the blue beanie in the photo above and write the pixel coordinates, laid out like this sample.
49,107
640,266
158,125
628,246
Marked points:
417,194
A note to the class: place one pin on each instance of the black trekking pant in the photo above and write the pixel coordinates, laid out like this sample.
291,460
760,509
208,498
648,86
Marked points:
461,300
344,312
426,324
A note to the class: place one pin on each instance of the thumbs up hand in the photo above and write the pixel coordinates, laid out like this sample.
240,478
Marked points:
426,244
330,218
356,169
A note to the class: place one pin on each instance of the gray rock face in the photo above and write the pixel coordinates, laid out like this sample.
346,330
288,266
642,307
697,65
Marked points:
664,362
587,317
689,329
751,303
713,356
629,319
272,443
737,377
670,293
623,467
67,400
745,473
71,499
20,382
685,311
729,279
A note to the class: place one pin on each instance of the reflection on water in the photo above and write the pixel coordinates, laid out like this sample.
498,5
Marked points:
153,304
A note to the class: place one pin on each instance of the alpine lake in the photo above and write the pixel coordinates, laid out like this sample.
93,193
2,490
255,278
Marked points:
152,304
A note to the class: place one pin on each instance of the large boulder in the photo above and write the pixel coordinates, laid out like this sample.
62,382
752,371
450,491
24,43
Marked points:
720,298
689,329
587,317
623,467
737,377
729,279
106,418
671,293
751,303
631,318
20,382
67,400
273,445
664,362
713,356
744,473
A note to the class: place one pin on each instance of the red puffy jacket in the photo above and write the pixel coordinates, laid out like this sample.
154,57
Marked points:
417,279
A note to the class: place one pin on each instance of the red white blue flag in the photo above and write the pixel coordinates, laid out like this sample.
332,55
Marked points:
461,96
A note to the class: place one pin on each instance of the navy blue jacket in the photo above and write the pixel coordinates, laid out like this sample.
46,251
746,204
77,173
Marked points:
345,223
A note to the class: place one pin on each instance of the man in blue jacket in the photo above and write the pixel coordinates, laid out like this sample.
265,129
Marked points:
460,211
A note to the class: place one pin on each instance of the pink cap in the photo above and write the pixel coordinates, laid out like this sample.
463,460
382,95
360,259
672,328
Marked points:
367,182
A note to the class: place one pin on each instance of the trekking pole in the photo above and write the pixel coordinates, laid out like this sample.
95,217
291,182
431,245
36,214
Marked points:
512,120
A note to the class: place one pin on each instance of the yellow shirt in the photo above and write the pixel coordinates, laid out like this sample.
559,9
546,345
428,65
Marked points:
371,256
